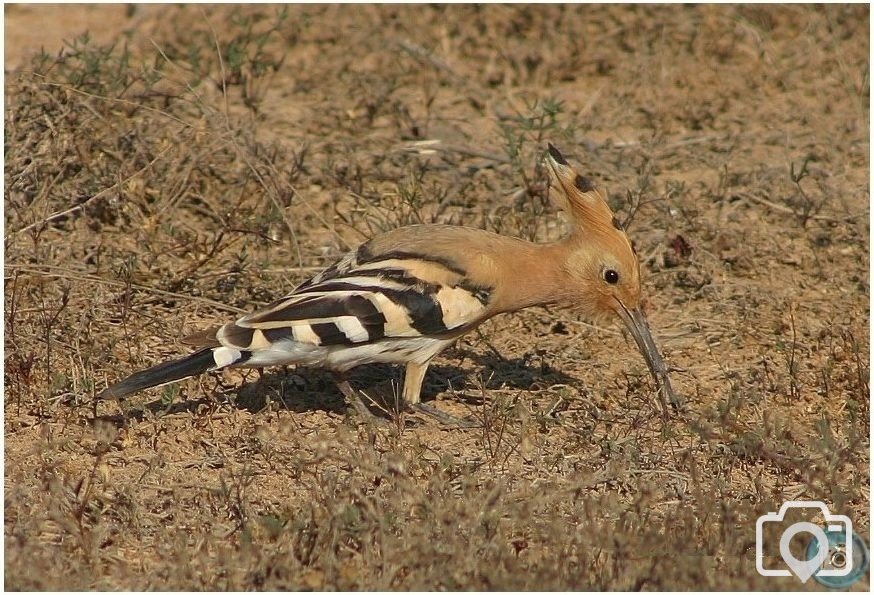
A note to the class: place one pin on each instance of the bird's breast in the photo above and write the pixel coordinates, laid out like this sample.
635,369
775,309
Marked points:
341,358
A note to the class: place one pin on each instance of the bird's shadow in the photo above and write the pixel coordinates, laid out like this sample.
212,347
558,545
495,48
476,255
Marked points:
311,389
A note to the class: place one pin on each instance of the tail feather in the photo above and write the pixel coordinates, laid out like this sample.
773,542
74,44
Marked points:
196,363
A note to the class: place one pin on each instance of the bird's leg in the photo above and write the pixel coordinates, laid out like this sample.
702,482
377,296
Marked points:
413,397
413,378
353,399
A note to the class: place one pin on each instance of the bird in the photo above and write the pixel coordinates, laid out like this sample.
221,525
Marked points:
406,295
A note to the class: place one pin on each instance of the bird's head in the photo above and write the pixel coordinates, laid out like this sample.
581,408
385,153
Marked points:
602,266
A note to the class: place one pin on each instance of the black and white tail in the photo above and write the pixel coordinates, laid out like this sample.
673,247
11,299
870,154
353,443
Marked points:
196,363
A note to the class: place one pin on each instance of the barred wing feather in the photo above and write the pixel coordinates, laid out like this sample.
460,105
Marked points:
354,304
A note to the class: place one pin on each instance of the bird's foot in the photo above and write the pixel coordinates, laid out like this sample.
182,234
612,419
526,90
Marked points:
444,418
356,404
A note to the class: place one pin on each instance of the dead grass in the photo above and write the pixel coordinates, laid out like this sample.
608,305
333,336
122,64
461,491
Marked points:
153,188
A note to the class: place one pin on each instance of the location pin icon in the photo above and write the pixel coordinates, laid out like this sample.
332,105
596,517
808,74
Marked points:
804,569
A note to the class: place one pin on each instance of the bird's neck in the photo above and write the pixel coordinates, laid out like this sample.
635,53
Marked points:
535,274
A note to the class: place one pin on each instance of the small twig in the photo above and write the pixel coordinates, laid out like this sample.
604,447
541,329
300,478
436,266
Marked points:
286,270
435,145
218,51
424,55
188,86
791,211
66,274
795,390
609,331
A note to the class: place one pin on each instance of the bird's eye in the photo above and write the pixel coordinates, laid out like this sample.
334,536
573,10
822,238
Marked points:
611,276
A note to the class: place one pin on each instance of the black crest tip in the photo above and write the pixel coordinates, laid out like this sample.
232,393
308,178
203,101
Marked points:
583,184
555,154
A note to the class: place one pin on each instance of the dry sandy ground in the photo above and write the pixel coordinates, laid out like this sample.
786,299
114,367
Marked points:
185,164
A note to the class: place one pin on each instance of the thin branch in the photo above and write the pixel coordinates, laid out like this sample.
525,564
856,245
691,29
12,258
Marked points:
218,51
791,211
436,145
67,274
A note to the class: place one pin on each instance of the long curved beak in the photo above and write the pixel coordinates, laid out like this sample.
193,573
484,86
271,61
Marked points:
636,323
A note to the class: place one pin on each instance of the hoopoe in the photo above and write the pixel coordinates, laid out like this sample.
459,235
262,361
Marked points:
406,295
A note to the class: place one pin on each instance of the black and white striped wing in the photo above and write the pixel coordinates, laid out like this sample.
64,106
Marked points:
396,296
